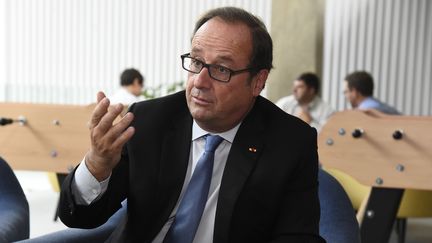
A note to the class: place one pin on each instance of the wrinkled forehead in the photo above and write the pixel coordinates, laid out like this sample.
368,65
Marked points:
230,40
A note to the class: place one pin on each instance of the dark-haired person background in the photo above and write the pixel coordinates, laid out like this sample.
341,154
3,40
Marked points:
132,83
305,102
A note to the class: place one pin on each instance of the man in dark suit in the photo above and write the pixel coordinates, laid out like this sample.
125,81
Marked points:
264,179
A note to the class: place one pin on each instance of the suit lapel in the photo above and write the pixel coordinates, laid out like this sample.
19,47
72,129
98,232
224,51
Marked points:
174,162
245,150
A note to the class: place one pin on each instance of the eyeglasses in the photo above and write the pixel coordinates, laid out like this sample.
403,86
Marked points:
218,72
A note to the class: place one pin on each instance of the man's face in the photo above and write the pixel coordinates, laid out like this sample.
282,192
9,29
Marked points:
302,93
136,87
350,95
217,106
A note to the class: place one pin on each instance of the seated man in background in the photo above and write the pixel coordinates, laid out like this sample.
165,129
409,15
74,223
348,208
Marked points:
305,102
358,90
132,82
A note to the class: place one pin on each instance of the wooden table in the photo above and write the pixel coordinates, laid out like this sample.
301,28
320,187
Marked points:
54,138
389,153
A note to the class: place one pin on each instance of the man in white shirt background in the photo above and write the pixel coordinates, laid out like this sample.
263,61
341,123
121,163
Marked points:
132,83
305,102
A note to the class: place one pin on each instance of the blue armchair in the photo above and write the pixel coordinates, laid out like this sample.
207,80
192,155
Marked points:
338,222
73,235
14,208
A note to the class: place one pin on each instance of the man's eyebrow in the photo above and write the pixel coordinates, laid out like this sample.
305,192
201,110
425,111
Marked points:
219,58
196,50
226,58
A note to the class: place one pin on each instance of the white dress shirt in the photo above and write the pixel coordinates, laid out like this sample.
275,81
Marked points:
87,189
123,96
319,110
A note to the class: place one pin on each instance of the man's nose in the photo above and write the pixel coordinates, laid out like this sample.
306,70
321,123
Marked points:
203,79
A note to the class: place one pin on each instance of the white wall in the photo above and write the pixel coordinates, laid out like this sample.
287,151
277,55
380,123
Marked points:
64,51
3,48
391,39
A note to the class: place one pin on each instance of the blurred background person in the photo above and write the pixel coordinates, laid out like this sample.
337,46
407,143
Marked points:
358,90
305,102
132,83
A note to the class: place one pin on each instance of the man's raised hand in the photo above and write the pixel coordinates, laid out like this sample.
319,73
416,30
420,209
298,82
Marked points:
107,139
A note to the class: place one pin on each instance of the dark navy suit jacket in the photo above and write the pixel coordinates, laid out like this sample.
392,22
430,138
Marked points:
267,194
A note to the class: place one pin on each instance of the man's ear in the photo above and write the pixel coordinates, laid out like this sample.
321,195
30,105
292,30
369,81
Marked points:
260,80
355,93
312,91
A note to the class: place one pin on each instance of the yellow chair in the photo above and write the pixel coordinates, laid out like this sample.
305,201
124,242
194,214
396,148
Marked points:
414,204
357,192
52,177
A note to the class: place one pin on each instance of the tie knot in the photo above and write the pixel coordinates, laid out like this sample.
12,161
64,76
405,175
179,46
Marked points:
212,141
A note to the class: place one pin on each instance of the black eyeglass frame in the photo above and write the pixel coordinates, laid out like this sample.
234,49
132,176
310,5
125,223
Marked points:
231,72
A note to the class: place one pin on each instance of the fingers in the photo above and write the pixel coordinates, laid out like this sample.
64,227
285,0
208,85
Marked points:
100,95
124,137
101,122
118,130
100,110
107,143
106,122
107,139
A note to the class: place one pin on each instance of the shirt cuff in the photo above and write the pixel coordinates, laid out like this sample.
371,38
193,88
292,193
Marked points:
85,187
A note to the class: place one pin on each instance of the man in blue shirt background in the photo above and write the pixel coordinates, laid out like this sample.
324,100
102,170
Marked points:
358,91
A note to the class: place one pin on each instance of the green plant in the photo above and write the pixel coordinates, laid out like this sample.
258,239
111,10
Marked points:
162,89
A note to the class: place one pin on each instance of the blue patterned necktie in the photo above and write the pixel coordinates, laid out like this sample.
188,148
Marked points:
192,205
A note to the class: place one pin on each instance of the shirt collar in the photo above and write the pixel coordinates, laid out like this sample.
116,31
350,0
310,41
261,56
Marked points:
229,135
314,102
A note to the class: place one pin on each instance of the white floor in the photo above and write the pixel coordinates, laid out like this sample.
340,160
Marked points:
43,202
419,230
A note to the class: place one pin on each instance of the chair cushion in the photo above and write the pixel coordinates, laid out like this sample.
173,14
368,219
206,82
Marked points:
338,223
14,209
